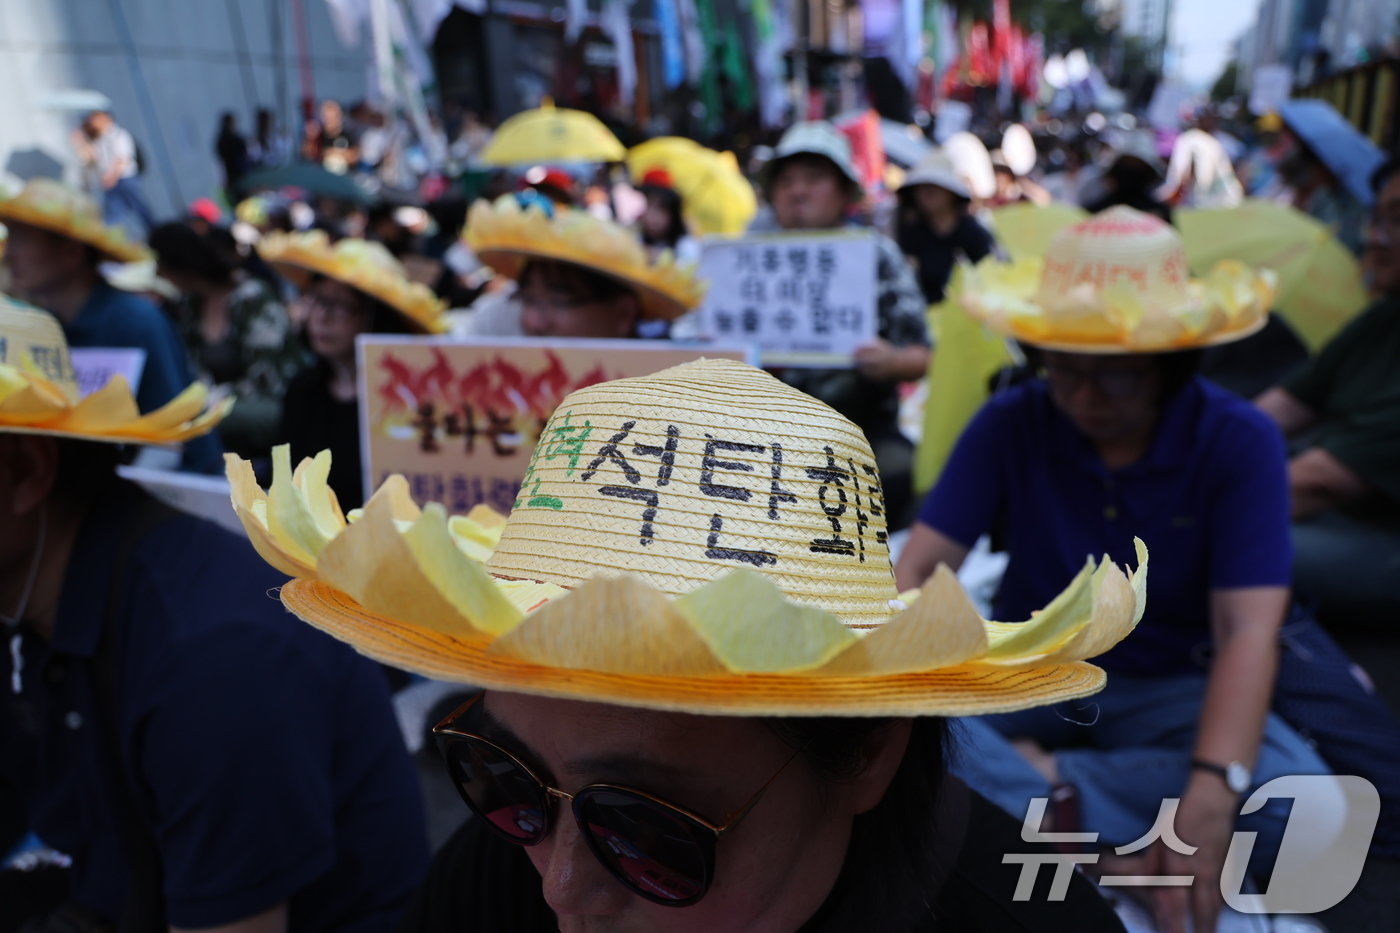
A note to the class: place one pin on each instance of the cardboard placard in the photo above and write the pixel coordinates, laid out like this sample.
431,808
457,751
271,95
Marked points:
804,299
460,418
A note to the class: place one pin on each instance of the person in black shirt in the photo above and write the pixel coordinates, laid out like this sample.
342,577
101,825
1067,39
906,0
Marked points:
936,229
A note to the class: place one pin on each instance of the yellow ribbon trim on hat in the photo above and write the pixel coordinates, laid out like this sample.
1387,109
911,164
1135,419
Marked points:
1007,296
30,402
419,567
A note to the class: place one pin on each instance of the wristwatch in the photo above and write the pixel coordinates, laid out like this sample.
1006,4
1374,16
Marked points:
1235,775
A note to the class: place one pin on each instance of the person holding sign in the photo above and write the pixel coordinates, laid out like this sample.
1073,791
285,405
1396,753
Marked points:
202,762
577,275
700,705
811,185
354,287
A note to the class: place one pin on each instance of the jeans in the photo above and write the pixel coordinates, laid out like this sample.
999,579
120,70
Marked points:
1124,750
123,201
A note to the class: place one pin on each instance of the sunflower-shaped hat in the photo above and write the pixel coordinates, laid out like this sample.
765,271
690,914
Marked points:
39,391
57,208
505,236
705,539
363,265
1118,282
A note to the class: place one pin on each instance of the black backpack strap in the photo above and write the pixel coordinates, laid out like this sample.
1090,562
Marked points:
145,904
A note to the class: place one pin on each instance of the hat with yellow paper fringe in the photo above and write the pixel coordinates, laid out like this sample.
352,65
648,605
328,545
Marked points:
363,265
1118,282
57,208
39,391
506,236
705,539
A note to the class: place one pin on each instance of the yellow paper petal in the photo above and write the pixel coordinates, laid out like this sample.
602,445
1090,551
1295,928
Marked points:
250,505
1139,580
753,628
461,581
941,629
1049,628
288,519
374,564
617,625
112,405
1110,619
478,532
174,414
312,478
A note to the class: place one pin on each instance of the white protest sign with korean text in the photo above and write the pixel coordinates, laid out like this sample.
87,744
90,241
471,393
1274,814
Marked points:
803,299
94,367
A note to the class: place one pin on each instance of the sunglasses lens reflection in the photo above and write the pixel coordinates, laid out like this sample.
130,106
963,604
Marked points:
657,853
500,791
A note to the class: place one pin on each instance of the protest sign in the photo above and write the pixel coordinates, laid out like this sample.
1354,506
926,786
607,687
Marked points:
94,367
459,418
1270,89
803,299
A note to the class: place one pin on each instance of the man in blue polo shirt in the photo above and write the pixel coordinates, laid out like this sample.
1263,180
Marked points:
55,246
204,760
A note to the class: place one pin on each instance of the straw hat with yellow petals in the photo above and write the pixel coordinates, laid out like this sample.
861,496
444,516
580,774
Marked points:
705,539
57,208
1118,282
39,392
506,236
363,265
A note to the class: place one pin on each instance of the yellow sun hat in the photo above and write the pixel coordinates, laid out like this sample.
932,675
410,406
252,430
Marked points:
705,539
363,265
57,208
1118,282
39,391
506,236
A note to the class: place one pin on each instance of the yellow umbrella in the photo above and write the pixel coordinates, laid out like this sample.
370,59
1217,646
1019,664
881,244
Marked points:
1025,230
551,134
1319,281
717,198
669,153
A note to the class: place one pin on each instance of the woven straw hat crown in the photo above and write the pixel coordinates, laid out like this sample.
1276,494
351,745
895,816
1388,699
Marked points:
31,339
53,206
699,470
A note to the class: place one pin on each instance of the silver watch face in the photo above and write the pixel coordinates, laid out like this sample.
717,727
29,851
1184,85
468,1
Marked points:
1237,777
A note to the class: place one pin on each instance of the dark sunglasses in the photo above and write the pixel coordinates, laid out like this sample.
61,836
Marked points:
1112,383
657,849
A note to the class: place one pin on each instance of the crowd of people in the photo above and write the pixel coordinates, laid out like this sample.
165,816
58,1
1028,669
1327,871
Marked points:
180,754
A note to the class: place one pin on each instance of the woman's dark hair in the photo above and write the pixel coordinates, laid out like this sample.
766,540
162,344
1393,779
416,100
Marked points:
578,281
894,846
668,200
212,258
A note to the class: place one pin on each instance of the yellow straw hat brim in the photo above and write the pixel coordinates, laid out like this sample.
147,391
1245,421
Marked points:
957,691
111,242
108,415
506,236
298,259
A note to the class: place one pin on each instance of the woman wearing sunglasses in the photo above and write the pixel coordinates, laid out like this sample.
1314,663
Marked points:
704,706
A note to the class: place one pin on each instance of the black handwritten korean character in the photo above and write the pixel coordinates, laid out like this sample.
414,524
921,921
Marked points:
749,321
849,318
427,487
785,320
745,261
772,259
797,260
826,260
821,319
753,289
459,499
846,500
789,289
638,488
709,463
504,439
426,423
724,322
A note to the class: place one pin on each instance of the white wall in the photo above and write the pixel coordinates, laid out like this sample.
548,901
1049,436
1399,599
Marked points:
187,51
